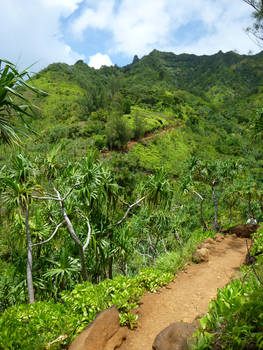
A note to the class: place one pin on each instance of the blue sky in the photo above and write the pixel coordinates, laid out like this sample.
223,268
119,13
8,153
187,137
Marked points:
113,31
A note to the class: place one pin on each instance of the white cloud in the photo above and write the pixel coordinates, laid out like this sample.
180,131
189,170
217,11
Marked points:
138,26
98,17
98,60
66,7
36,30
226,33
31,32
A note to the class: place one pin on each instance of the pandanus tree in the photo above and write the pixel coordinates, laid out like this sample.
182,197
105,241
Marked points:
13,103
231,196
213,174
249,190
16,196
19,184
188,185
85,192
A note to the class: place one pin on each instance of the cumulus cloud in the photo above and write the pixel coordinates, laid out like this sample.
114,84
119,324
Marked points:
31,32
46,30
138,26
98,60
99,17
226,32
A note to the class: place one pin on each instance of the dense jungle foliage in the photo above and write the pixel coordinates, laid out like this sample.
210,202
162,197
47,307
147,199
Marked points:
127,170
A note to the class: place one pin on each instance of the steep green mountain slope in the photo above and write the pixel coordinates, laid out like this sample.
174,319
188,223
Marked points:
199,168
109,106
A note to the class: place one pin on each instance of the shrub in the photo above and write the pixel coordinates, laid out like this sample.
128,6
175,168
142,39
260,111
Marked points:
33,326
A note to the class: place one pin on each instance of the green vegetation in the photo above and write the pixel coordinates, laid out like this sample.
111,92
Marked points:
235,320
87,221
10,82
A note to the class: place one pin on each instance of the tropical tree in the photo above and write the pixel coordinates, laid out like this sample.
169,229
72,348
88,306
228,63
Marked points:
257,29
213,174
13,102
89,195
18,186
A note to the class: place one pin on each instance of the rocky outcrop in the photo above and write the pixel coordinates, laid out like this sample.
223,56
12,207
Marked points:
243,231
175,336
104,333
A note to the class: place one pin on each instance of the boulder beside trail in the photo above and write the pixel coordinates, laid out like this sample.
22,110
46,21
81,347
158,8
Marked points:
243,231
200,255
174,337
104,333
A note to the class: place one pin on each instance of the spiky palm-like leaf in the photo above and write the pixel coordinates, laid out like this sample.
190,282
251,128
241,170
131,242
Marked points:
13,104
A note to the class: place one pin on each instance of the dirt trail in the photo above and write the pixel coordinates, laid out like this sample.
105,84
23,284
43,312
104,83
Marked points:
188,296
146,138
150,135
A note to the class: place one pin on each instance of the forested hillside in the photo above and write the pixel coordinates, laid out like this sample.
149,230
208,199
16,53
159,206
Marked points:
84,215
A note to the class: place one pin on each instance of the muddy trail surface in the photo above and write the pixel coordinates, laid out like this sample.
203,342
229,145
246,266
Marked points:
188,295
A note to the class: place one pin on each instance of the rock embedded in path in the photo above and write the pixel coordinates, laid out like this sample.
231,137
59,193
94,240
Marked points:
201,255
175,336
104,333
219,237
204,245
209,240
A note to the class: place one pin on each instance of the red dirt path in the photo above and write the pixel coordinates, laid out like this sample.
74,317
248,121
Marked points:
188,296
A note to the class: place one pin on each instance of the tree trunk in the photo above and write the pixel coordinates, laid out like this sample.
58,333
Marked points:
77,241
261,203
29,261
249,205
216,225
110,268
84,272
201,210
230,215
202,216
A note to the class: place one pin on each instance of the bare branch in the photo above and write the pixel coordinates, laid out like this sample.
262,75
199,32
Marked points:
129,208
53,234
55,190
51,194
89,231
178,237
144,255
254,4
59,339
123,202
47,198
198,195
72,188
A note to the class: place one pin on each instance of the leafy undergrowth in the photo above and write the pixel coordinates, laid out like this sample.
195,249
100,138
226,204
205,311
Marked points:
235,317
34,326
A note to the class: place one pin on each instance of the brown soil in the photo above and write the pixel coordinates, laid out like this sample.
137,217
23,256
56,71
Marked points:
149,136
188,295
146,138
